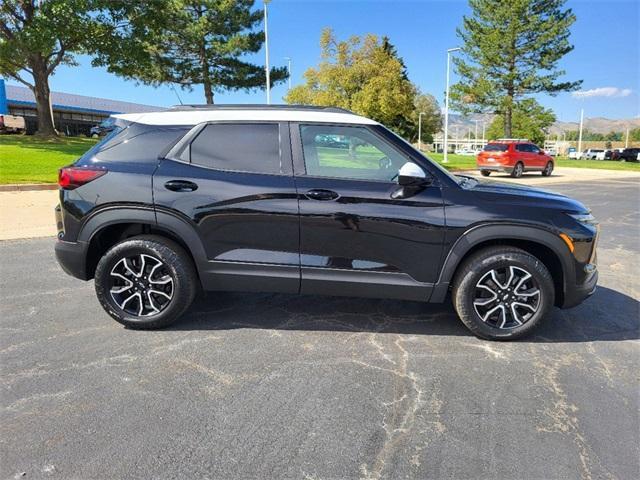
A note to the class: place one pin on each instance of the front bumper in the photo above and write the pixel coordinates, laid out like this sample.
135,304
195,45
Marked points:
72,257
576,294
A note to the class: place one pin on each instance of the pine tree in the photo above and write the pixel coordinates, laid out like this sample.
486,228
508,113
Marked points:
511,49
186,42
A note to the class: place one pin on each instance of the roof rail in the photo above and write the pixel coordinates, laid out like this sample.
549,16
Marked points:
247,106
511,140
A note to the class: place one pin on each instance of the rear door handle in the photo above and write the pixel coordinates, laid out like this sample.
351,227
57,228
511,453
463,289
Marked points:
180,186
322,195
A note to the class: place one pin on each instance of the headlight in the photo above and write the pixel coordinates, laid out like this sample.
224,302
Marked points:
585,218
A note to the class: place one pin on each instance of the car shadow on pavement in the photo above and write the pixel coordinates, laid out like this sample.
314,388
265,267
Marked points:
608,316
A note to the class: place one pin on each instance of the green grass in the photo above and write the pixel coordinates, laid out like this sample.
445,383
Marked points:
28,159
463,162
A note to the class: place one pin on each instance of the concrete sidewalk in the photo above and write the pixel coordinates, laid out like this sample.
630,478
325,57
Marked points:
26,214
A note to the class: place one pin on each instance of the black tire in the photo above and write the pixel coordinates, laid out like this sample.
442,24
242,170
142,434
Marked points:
477,267
548,169
485,173
175,263
517,171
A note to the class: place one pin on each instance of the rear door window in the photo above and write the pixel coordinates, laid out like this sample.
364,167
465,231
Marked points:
240,147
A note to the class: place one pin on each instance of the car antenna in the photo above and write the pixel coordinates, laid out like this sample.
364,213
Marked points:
174,91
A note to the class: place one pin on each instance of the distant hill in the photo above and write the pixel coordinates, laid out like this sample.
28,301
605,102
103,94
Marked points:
595,125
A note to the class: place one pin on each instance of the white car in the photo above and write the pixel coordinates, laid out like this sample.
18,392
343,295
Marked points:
465,151
602,155
590,153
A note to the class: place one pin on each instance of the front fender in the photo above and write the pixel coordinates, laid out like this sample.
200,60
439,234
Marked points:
487,233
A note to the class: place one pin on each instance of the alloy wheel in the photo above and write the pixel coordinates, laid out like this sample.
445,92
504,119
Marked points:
141,285
506,297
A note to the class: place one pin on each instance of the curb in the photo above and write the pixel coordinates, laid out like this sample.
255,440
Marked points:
28,187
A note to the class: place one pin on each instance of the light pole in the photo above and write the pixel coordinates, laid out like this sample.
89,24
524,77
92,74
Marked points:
483,125
475,136
420,131
266,49
580,133
446,104
288,59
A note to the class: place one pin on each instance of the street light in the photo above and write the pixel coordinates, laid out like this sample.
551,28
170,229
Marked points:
580,133
420,131
266,49
288,59
446,104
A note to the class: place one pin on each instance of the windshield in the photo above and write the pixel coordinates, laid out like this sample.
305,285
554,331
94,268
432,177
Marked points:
495,147
100,145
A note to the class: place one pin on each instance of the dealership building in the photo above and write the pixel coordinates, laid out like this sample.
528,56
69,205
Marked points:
72,114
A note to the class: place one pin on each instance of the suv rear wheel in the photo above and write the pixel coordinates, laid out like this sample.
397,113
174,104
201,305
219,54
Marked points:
517,170
145,282
502,293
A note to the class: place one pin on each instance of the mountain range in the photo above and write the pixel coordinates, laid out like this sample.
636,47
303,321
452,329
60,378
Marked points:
595,124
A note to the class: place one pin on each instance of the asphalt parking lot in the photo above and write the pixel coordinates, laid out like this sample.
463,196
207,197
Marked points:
256,386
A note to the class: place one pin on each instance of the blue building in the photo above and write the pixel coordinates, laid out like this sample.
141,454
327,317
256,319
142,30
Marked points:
73,114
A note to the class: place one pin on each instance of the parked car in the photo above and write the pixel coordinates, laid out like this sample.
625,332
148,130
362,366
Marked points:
102,128
572,153
12,124
246,199
514,157
590,153
465,151
604,155
627,155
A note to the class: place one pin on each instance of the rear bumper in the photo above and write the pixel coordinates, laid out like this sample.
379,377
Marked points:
72,257
496,168
576,294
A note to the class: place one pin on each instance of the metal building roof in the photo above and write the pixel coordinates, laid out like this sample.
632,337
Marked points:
23,96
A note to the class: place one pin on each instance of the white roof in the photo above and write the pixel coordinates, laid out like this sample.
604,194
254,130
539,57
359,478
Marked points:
194,117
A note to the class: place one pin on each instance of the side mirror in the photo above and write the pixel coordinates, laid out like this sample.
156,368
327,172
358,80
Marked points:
540,152
412,175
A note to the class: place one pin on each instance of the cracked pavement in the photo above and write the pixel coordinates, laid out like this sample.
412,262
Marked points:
273,386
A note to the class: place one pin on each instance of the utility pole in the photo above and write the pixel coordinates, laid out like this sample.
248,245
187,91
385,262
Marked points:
420,131
266,49
580,132
446,105
289,70
626,141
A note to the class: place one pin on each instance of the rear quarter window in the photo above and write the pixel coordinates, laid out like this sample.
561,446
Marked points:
145,146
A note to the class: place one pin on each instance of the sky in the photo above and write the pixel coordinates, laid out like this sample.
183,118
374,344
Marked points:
606,55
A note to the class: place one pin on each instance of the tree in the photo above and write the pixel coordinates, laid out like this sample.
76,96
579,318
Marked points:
431,120
634,135
529,120
35,38
510,50
186,42
363,75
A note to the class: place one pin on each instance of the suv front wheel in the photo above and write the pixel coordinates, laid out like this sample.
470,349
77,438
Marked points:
502,293
145,282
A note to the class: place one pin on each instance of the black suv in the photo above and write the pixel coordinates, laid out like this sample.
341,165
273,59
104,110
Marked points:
256,199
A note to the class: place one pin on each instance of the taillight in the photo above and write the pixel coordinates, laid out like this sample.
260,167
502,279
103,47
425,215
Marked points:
70,178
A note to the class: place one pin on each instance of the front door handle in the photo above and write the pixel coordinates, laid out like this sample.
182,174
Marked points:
180,186
322,195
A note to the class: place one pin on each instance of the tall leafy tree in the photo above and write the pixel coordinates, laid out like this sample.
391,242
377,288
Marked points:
186,42
431,120
529,120
511,49
363,75
38,36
